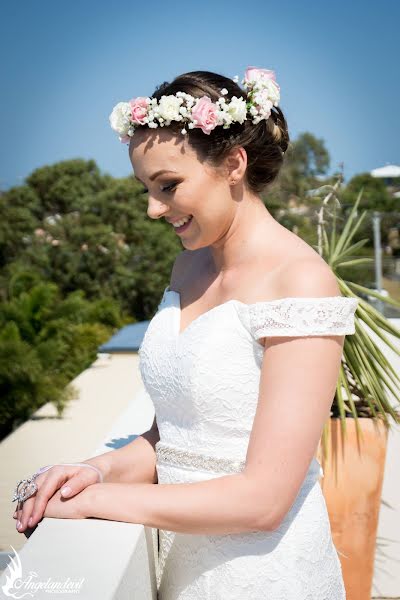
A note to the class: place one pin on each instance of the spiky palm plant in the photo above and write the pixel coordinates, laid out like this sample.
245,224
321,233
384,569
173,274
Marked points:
365,373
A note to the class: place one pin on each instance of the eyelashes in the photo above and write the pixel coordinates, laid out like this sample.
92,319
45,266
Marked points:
168,188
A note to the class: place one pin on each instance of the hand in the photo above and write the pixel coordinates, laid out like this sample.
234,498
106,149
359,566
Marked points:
58,507
67,508
48,483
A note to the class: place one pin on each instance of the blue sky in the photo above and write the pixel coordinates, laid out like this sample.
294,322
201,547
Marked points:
65,65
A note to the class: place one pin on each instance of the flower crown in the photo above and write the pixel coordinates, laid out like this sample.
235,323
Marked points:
262,94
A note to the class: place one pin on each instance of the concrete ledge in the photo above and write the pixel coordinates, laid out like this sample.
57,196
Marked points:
103,559
106,560
112,409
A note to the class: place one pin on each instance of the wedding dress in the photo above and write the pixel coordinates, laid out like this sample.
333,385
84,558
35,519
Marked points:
204,383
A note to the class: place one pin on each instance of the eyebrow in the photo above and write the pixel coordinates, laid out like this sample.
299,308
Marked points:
156,174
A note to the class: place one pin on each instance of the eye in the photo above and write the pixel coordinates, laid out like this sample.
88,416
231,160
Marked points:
169,188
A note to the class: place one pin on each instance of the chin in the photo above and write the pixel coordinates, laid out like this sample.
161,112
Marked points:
193,245
189,245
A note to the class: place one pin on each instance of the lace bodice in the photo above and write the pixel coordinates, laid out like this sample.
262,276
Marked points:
204,383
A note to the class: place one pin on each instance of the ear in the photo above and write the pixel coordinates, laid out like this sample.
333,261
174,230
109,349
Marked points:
236,164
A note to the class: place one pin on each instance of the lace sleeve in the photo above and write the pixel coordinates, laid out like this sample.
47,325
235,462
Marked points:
327,315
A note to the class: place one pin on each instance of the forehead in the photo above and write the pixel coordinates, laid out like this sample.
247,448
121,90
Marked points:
151,150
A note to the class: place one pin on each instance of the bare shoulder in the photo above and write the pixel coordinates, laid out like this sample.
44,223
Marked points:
309,276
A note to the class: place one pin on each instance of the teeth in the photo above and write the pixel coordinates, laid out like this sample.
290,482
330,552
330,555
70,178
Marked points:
181,222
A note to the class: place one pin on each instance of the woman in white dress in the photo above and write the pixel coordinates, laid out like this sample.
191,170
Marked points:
241,359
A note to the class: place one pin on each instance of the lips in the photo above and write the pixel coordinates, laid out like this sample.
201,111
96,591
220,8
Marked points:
180,218
180,228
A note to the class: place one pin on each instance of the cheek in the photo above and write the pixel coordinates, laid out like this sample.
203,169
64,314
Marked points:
207,200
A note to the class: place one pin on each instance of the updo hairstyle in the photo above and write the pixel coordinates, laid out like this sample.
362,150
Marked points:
265,143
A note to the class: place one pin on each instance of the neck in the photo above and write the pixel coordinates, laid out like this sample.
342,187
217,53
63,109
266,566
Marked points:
245,236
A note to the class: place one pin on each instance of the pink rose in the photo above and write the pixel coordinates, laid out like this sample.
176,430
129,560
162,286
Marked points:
205,113
255,74
139,109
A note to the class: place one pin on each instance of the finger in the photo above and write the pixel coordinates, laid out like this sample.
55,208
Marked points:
78,482
47,486
23,509
24,513
29,530
18,513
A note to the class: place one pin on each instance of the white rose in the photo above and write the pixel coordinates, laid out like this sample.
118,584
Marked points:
237,109
168,108
119,118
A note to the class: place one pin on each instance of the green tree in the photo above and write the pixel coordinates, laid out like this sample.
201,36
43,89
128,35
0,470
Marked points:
65,186
375,195
46,341
305,164
19,211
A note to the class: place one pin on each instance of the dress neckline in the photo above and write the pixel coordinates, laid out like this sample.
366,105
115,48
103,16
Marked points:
199,317
247,304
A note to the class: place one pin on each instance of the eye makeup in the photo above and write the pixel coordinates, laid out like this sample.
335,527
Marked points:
168,188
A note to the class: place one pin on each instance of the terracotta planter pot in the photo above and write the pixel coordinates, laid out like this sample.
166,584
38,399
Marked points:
352,486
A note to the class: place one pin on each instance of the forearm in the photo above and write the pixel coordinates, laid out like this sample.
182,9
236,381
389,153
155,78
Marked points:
217,506
133,463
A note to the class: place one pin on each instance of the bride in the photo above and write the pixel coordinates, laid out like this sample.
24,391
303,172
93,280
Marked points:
241,361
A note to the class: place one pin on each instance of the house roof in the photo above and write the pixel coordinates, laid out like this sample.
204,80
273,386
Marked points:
127,339
386,171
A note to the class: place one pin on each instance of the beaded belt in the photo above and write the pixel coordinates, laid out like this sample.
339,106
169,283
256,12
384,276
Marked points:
185,458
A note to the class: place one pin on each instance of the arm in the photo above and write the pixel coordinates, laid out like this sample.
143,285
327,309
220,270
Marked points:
222,505
133,463
297,385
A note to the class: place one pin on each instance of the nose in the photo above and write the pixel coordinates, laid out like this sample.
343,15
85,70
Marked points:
156,209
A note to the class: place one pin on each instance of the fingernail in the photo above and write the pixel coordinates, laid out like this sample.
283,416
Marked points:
30,521
66,491
18,524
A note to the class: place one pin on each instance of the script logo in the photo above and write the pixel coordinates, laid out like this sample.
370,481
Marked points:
17,586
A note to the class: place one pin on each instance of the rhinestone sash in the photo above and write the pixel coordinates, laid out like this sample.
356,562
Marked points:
185,458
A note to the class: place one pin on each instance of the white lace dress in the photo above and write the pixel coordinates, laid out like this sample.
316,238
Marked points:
204,383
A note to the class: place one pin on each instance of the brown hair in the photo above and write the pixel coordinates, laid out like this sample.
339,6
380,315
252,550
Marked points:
265,142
